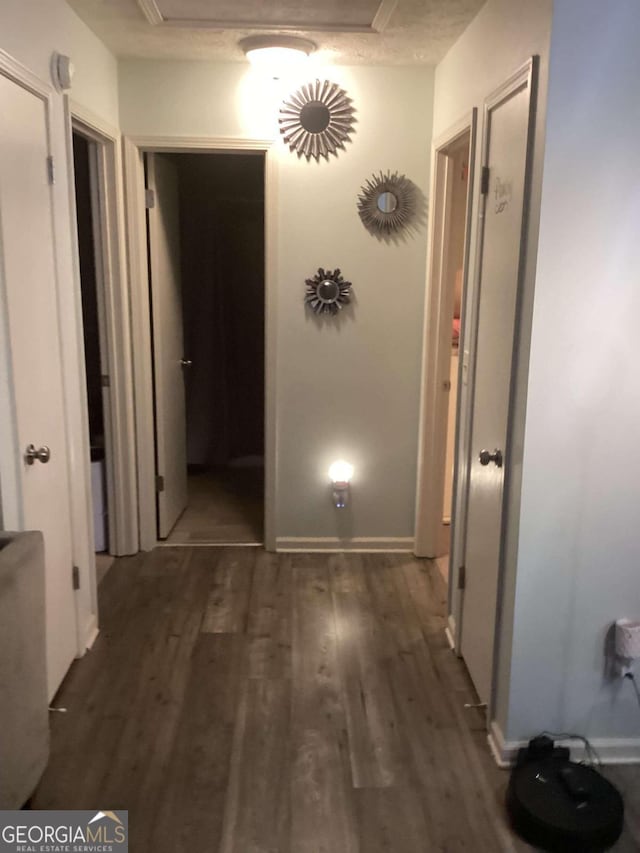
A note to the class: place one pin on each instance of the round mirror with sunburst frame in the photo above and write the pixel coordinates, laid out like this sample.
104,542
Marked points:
317,120
387,203
327,292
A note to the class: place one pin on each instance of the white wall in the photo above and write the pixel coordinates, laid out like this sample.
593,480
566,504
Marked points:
30,30
579,552
500,39
502,36
348,387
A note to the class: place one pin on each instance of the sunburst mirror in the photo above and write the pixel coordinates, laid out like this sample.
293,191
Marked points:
327,292
317,120
387,203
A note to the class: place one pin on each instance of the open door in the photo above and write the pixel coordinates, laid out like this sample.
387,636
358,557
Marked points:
507,126
33,441
168,344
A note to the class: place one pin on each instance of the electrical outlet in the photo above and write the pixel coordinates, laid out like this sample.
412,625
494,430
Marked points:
624,667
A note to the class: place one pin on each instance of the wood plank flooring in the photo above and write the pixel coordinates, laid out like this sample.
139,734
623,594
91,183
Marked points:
226,504
244,702
104,561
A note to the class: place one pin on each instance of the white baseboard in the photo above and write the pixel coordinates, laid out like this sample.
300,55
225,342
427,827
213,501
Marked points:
295,544
503,754
91,631
450,632
610,750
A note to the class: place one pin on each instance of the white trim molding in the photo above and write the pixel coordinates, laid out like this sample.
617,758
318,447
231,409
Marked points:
95,124
436,361
91,631
610,750
332,544
450,633
186,144
134,149
436,347
19,73
114,300
154,16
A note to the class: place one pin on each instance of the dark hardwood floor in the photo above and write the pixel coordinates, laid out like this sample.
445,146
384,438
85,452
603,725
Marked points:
226,505
245,702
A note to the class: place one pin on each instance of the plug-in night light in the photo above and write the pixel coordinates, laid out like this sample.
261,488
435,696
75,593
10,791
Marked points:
340,474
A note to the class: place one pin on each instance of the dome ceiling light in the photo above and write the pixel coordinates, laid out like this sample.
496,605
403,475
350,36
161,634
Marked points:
276,55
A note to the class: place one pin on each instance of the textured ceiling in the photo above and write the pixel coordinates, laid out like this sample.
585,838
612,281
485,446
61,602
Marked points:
419,32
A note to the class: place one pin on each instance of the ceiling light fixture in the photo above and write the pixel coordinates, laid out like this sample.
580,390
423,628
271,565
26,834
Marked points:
276,54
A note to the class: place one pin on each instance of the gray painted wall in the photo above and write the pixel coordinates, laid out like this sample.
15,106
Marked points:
348,388
579,551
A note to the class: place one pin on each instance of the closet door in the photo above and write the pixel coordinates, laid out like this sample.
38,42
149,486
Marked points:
507,121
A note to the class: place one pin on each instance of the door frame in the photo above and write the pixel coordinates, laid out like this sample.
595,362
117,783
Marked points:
436,365
113,309
134,149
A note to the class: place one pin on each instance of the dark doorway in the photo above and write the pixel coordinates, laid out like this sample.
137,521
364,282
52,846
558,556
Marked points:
221,228
85,190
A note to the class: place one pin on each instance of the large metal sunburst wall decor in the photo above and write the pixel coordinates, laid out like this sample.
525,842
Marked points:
327,292
317,120
387,203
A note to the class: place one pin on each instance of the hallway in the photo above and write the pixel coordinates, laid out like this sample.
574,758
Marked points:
226,506
243,701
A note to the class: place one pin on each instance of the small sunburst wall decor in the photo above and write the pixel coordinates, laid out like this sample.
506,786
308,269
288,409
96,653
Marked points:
317,120
327,292
387,203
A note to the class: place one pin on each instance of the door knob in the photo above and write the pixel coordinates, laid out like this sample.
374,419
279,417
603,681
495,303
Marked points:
42,454
485,457
186,362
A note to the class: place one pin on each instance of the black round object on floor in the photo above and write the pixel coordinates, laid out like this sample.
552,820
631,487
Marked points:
564,807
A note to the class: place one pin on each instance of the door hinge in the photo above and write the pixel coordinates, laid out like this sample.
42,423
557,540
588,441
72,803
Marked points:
462,577
51,172
105,381
159,483
484,181
75,576
149,199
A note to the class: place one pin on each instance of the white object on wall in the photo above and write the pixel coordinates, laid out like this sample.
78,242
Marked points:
62,71
628,639
340,474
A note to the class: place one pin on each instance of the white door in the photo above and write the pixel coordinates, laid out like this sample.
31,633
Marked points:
33,360
505,155
168,344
